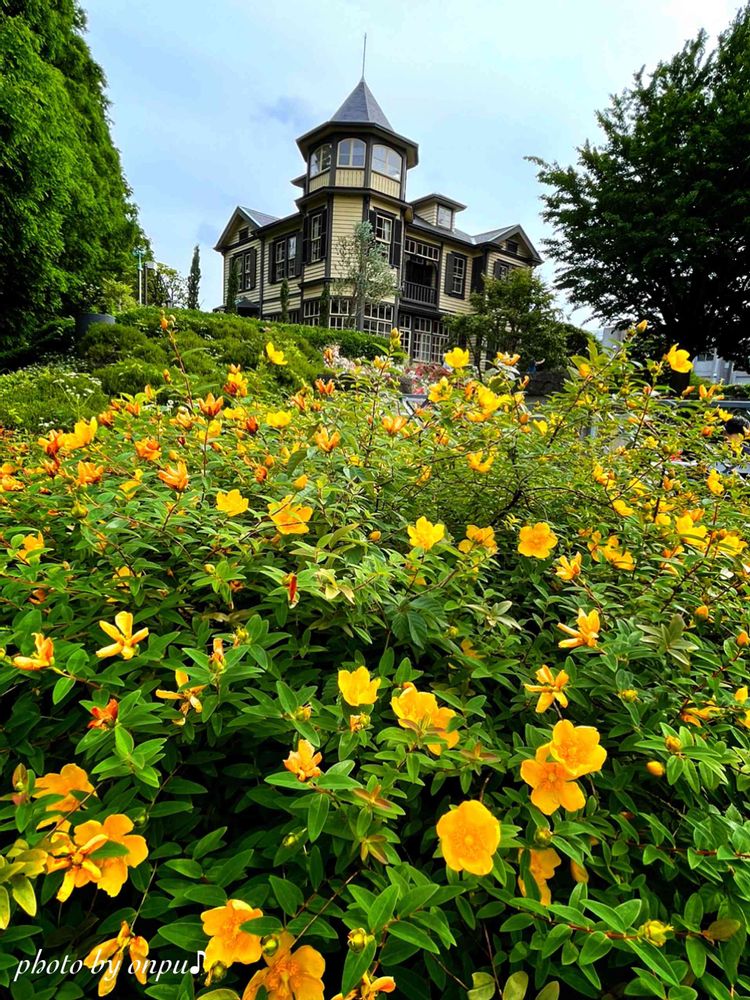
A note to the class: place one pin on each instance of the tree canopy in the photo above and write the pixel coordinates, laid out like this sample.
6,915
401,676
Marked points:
66,218
515,314
654,222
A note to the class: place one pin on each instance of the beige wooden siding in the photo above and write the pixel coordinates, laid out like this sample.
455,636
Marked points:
347,212
385,206
428,212
495,255
449,303
348,177
316,271
322,180
254,294
386,185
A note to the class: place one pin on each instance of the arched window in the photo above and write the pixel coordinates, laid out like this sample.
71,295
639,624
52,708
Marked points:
321,159
351,153
386,161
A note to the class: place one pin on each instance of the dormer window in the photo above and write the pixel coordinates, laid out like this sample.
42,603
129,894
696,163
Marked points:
511,246
386,161
444,217
320,161
351,153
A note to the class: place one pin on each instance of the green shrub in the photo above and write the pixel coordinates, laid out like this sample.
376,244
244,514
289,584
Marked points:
53,395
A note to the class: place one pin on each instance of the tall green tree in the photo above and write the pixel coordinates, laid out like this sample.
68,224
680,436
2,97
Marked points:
233,287
654,221
514,314
66,218
365,274
194,279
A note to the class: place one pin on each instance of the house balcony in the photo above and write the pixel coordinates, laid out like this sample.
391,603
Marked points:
415,292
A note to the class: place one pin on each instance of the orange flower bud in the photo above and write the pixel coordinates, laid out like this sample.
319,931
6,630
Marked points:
656,768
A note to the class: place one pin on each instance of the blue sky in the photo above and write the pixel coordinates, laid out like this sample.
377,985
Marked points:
208,98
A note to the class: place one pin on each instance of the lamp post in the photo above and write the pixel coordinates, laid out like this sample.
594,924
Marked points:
150,265
139,252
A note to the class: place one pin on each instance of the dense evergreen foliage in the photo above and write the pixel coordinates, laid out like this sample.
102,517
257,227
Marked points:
654,221
66,219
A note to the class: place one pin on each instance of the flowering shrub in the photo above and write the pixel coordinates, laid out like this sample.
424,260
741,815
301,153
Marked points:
355,703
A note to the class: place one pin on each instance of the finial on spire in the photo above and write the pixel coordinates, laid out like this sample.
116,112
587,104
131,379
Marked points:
364,55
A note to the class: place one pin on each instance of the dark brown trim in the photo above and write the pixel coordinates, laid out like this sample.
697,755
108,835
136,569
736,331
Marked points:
262,270
329,239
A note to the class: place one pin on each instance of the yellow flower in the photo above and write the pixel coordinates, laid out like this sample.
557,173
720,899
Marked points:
290,519
291,975
586,634
621,508
325,441
357,688
125,643
83,434
188,696
478,462
478,538
148,449
642,326
31,543
424,534
549,688
456,358
678,361
509,360
304,761
369,989
440,391
114,871
577,748
73,856
542,864
278,419
552,784
110,954
275,356
730,543
231,503
656,768
690,532
568,569
44,656
300,482
536,540
418,711
714,483
89,473
62,785
743,639
177,477
741,695
228,943
654,930
469,836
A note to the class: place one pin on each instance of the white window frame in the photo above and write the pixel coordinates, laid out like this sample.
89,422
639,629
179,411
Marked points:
444,225
311,312
378,319
383,229
458,278
350,150
279,270
339,313
429,340
387,161
316,237
320,161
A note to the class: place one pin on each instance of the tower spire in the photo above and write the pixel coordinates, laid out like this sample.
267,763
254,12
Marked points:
364,55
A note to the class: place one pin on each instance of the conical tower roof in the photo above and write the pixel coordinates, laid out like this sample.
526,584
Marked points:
361,107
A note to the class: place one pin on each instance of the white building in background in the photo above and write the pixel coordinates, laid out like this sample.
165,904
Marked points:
708,366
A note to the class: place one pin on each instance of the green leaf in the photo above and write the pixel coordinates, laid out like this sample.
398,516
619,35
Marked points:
4,908
355,966
594,947
628,912
110,850
61,688
484,986
381,910
185,934
288,896
696,955
414,935
555,939
317,814
208,843
183,866
23,893
261,926
220,995
549,992
655,960
124,743
516,986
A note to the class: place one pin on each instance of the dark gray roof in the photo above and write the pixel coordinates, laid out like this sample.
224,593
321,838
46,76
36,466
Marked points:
493,236
434,196
361,107
456,234
259,218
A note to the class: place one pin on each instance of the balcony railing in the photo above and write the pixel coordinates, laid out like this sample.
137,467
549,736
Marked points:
414,292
